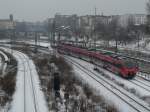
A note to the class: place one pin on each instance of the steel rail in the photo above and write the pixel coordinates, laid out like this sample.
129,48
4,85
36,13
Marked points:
88,72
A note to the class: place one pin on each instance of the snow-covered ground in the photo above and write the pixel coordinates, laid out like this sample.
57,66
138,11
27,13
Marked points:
28,96
123,107
148,46
1,63
5,40
127,83
144,46
110,96
44,44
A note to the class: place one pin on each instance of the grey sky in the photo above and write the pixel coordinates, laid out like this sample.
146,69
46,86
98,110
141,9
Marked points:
34,10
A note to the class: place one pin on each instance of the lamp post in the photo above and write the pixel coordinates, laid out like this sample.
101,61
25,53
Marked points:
36,41
138,35
116,39
95,29
12,35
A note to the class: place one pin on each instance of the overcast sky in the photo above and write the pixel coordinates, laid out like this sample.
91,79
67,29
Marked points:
38,10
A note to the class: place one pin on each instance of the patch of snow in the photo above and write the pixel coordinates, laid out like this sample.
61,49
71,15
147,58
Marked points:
26,68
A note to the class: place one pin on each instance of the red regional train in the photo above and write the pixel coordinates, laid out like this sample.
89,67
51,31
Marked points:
119,66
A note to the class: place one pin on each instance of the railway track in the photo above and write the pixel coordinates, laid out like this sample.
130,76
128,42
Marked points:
32,88
143,81
24,81
137,81
28,86
145,84
140,84
144,75
24,89
137,104
141,74
28,96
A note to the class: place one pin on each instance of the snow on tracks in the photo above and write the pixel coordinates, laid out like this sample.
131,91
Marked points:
28,96
134,103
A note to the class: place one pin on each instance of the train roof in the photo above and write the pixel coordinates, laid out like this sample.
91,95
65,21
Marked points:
99,55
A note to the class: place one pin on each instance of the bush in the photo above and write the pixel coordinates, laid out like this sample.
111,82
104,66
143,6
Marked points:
8,83
62,65
111,109
78,95
87,91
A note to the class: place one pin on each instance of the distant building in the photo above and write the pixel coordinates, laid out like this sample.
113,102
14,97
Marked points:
30,27
70,21
7,24
7,27
138,19
87,23
90,20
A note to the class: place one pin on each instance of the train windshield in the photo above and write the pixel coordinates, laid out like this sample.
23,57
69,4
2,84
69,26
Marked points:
129,64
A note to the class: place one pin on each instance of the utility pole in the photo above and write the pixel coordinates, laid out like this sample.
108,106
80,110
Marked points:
12,31
138,36
95,66
53,31
50,33
116,37
116,32
36,41
95,28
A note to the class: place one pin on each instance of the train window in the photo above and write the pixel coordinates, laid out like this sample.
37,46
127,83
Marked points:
129,64
119,65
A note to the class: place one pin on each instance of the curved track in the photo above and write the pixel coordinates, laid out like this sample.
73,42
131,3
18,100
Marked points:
133,101
29,88
28,96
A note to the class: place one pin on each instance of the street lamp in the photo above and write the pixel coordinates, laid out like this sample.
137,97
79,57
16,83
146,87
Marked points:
61,30
116,39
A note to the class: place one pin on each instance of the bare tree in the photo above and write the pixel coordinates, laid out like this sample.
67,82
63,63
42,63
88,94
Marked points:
148,16
114,31
148,7
130,23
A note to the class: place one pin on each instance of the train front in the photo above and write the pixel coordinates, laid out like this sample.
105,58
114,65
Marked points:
129,69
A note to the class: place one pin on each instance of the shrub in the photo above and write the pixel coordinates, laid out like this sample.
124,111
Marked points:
8,83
